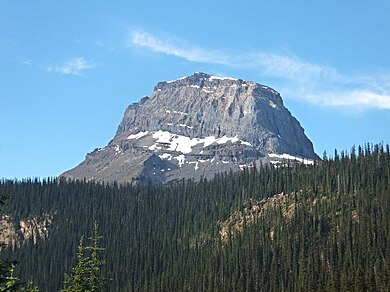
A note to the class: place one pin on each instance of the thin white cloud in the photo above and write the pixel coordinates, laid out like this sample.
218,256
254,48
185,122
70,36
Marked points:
144,39
315,83
26,62
360,99
324,85
291,67
74,66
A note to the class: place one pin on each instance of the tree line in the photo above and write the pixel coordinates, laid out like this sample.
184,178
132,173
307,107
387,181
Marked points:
331,234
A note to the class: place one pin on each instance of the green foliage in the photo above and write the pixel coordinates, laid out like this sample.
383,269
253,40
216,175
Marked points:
8,282
86,275
331,234
30,287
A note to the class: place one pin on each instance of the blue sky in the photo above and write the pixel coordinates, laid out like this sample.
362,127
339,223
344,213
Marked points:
69,69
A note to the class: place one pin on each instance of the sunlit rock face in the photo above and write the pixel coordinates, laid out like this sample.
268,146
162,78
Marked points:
197,126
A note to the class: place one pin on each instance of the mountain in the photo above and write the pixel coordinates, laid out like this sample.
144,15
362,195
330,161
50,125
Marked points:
197,126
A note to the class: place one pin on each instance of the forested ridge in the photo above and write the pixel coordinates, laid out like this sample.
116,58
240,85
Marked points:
327,230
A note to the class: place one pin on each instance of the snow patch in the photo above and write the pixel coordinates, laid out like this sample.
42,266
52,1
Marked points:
180,113
177,79
117,149
246,143
175,142
181,159
166,156
271,104
137,135
184,144
225,139
211,78
196,167
242,166
291,157
155,147
211,140
185,126
208,141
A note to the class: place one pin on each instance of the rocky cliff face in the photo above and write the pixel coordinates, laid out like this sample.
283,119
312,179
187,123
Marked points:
197,126
16,234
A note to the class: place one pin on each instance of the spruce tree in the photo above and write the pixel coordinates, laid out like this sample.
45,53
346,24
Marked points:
86,275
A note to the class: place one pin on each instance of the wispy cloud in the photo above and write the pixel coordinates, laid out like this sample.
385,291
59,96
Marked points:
74,66
291,67
315,83
26,62
165,46
360,99
325,85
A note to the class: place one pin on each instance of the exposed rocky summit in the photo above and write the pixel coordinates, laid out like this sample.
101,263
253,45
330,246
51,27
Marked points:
196,126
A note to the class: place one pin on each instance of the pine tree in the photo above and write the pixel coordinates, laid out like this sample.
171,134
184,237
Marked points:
8,281
30,287
77,280
86,275
96,281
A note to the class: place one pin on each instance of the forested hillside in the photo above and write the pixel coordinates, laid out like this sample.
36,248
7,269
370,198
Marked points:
324,227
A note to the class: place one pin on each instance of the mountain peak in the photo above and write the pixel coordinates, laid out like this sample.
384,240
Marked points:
200,76
212,85
199,125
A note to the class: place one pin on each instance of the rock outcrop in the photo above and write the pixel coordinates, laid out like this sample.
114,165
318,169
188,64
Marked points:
16,234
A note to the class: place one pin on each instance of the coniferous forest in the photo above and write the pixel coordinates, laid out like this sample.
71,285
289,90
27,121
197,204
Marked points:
324,227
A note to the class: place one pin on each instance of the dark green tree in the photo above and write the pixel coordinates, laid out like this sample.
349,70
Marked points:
86,275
